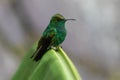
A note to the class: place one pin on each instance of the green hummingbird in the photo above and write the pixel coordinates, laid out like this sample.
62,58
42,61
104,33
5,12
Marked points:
52,36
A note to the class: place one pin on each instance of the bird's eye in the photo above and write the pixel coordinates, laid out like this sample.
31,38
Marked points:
58,19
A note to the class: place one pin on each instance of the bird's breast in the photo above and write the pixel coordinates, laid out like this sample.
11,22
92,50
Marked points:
61,34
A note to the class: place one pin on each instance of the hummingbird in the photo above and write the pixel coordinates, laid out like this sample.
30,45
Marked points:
52,36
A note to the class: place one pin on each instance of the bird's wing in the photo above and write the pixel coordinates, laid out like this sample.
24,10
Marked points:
43,45
53,35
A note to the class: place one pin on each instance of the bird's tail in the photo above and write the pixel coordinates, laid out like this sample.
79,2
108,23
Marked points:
41,49
39,53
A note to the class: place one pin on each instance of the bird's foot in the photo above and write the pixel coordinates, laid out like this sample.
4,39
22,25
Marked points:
61,46
52,47
55,48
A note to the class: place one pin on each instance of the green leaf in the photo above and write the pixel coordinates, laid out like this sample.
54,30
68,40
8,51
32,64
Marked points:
54,65
27,66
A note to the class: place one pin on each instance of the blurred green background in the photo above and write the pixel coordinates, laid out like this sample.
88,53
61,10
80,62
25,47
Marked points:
92,42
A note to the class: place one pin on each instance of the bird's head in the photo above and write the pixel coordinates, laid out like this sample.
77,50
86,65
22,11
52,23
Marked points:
58,19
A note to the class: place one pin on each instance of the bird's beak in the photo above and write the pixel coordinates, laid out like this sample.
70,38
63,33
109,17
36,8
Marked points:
70,19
